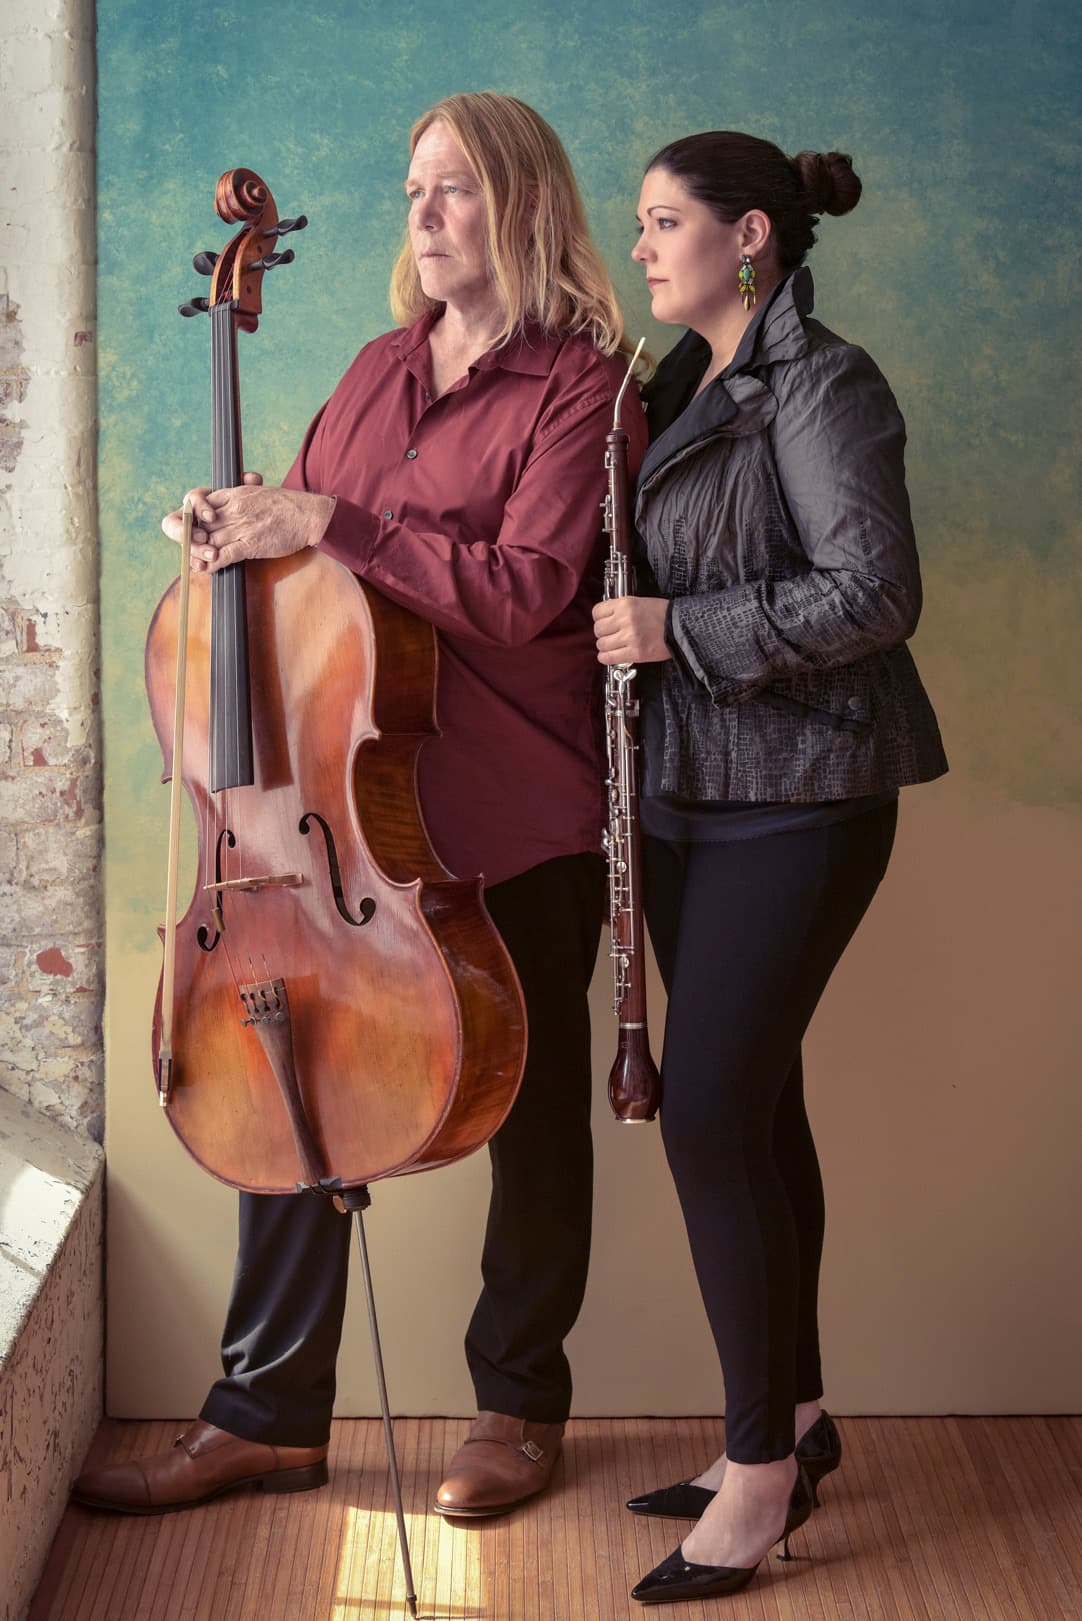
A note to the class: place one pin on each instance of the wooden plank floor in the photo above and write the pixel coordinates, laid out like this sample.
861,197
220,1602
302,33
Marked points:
927,1520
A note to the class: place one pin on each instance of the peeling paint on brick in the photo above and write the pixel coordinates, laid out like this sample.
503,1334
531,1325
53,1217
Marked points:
50,772
50,753
53,961
14,383
71,798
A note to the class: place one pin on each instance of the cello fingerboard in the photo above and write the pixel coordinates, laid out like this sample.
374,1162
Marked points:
230,695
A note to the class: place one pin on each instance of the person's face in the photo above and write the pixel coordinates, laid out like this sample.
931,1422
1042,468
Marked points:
691,258
447,221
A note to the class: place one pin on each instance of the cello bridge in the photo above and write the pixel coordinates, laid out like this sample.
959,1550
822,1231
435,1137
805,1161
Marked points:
283,880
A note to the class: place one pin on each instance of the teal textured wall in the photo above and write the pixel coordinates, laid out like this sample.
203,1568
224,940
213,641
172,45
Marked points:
958,270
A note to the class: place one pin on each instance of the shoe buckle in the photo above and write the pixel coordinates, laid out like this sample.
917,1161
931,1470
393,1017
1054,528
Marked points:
533,1451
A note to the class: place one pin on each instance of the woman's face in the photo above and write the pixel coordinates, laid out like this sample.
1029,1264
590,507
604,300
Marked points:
447,221
691,258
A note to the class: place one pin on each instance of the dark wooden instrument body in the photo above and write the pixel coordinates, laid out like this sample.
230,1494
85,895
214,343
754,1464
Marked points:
408,1031
634,1082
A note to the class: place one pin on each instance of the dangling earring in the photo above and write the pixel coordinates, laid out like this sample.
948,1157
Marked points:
745,281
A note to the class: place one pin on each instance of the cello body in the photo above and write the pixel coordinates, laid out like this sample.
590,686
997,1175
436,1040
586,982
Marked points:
405,1022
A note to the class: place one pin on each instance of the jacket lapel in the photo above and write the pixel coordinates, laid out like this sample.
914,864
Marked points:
737,402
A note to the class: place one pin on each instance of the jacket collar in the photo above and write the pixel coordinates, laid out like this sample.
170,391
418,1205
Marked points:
782,334
736,401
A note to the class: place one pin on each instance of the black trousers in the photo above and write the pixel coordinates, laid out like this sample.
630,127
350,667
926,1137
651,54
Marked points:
284,1321
746,935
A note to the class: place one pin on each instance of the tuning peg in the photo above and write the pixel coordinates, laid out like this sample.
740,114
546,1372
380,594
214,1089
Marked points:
198,306
204,263
285,226
273,259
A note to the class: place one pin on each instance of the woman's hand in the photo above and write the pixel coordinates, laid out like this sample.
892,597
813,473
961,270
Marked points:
631,630
249,521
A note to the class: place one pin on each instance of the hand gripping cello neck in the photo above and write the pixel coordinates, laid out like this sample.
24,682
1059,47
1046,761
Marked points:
634,1083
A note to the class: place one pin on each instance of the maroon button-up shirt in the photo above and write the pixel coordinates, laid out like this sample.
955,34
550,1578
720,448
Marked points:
480,511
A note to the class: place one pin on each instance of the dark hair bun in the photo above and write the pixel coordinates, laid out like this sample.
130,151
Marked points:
829,183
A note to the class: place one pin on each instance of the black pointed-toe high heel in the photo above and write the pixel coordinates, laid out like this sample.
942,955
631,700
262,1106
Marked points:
677,1578
819,1450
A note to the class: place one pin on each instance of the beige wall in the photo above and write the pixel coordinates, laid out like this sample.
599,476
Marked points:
943,1086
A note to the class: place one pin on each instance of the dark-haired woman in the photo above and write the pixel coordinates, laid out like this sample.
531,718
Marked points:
781,713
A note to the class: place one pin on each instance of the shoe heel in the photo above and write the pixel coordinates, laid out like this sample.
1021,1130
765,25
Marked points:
297,1480
800,1510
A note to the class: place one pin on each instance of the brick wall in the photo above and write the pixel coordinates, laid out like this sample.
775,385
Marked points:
50,757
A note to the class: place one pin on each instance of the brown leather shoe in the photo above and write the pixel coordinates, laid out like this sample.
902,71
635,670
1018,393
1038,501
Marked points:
502,1463
203,1463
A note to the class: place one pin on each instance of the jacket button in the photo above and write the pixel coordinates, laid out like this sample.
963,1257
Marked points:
388,514
411,455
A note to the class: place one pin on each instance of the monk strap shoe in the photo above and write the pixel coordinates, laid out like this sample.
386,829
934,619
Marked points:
202,1463
503,1462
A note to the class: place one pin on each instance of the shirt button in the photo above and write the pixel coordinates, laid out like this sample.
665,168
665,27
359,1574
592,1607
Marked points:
388,514
411,455
852,703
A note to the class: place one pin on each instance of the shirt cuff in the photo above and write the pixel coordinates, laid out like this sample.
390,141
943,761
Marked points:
351,534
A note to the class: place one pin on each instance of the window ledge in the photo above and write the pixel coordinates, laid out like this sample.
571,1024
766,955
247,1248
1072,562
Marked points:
50,1330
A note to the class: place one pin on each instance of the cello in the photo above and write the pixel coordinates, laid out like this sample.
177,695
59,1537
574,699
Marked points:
335,1006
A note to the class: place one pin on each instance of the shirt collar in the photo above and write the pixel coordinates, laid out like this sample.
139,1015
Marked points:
531,350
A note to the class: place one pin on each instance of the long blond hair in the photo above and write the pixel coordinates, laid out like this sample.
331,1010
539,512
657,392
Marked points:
544,265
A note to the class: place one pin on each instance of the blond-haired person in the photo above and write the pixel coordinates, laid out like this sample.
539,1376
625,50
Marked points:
458,467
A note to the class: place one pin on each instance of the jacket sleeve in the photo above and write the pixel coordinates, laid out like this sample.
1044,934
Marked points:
838,441
502,590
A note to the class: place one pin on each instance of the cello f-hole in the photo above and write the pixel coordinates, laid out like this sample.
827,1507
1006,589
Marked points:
368,905
203,934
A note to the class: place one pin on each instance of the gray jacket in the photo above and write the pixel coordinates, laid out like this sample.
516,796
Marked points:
773,512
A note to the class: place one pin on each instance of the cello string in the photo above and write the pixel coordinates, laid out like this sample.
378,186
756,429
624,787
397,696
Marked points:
223,475
236,577
221,593
211,808
218,608
221,586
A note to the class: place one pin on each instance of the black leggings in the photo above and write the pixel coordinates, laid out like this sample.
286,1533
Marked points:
746,935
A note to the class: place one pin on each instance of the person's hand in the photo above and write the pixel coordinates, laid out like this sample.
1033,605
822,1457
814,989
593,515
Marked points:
631,630
234,525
